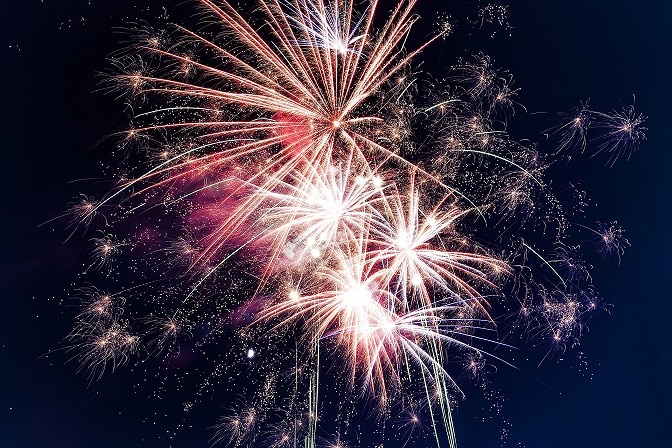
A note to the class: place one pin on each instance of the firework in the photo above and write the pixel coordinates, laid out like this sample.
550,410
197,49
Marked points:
292,194
621,132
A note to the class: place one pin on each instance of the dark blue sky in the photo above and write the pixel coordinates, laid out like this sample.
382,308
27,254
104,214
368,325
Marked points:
559,53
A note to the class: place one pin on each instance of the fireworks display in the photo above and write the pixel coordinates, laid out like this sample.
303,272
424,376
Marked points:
309,222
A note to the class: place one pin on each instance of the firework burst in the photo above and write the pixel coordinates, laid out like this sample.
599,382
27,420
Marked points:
282,163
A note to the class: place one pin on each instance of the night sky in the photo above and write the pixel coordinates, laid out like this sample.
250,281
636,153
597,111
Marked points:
613,390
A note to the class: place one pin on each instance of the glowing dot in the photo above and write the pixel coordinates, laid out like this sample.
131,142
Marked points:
377,181
402,239
357,296
431,221
294,295
315,252
416,279
250,354
360,180
336,123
